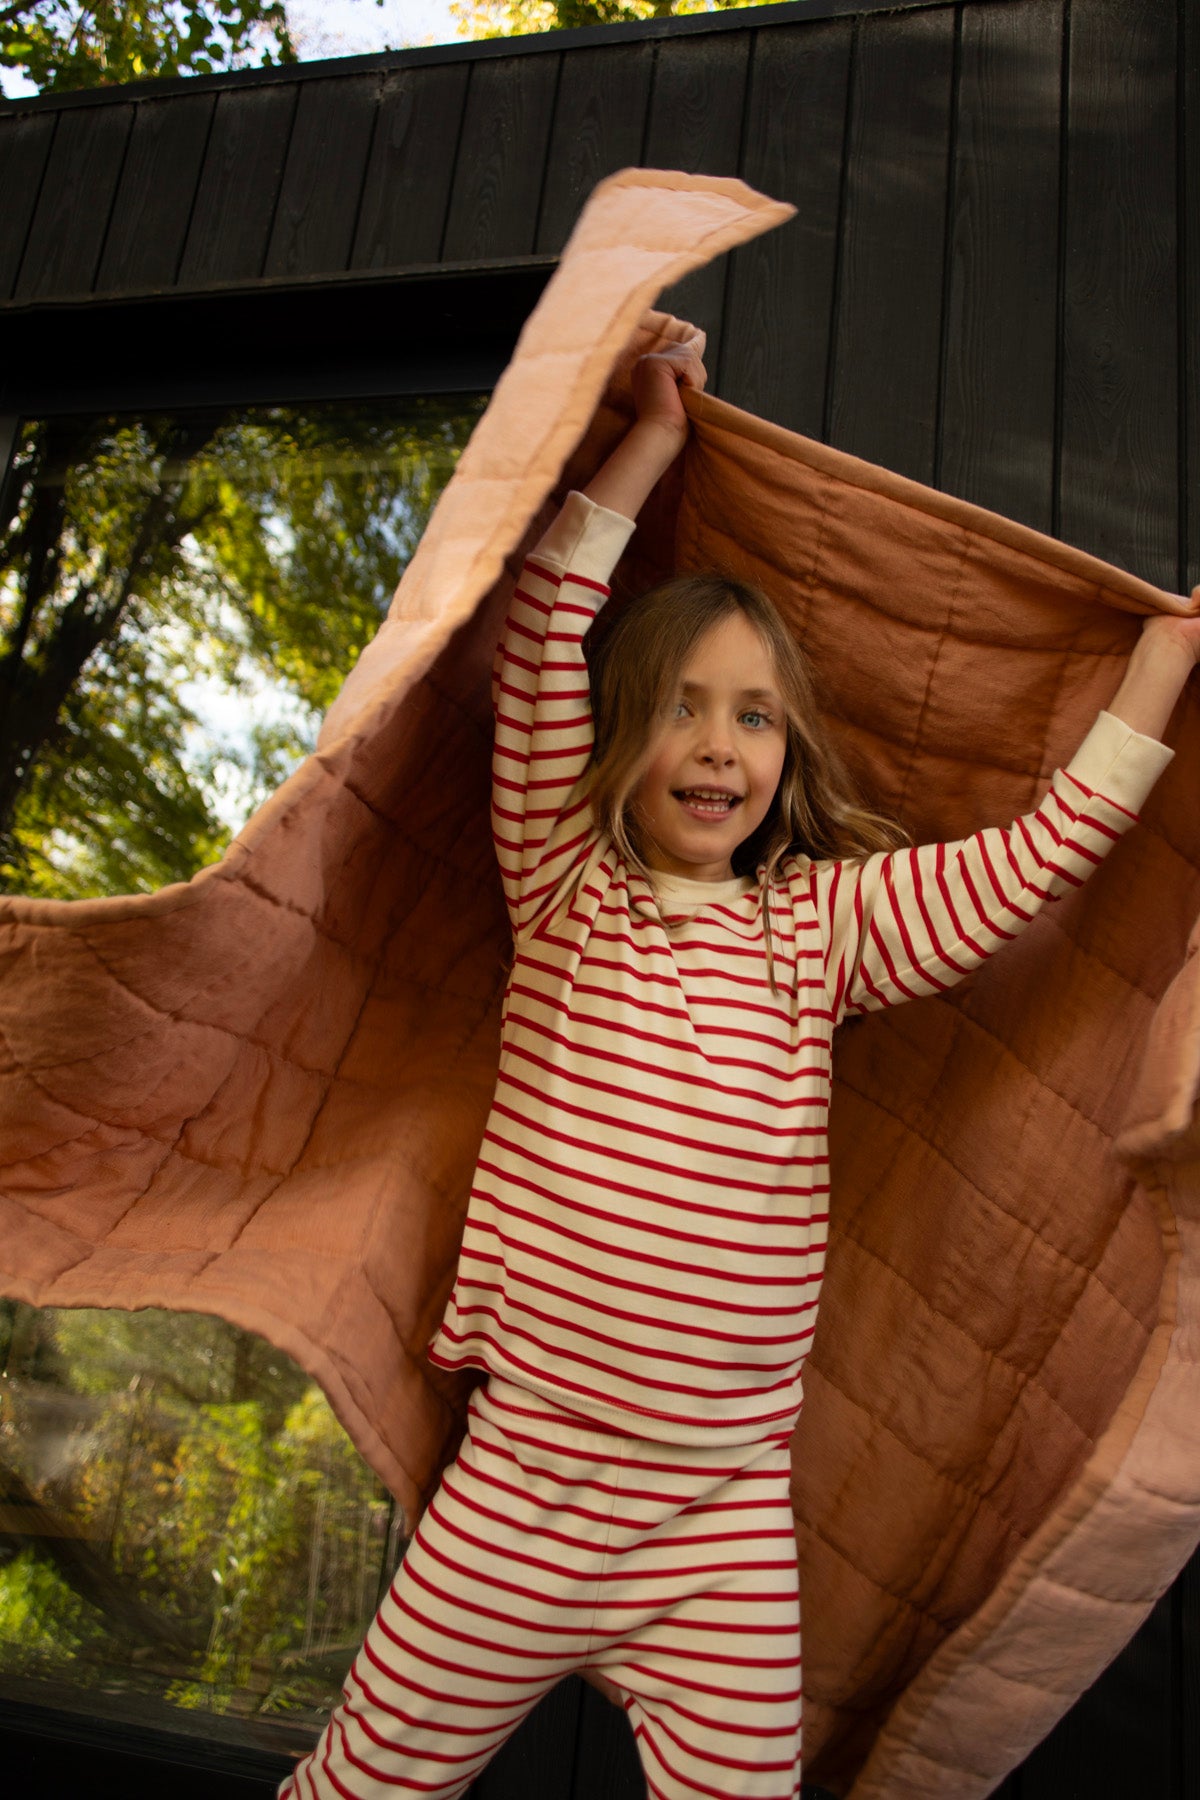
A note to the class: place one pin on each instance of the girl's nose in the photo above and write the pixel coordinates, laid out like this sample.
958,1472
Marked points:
717,750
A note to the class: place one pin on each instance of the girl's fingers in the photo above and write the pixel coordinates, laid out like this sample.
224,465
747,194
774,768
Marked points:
692,370
685,361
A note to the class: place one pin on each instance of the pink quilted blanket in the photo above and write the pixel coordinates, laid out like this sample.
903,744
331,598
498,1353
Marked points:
260,1094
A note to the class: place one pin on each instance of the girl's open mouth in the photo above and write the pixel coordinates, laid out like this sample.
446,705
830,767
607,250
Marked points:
709,803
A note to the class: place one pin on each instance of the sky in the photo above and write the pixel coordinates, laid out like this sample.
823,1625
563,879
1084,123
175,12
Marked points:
323,28
355,27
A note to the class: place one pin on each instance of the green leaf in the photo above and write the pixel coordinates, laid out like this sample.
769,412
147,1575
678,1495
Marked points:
59,47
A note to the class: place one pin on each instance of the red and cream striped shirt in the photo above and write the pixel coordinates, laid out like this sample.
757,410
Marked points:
646,1233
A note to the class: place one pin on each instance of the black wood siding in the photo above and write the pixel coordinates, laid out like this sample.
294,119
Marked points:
992,284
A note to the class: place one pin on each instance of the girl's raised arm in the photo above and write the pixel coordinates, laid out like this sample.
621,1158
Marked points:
543,739
914,922
1163,658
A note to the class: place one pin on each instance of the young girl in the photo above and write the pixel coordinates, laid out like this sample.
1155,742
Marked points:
696,900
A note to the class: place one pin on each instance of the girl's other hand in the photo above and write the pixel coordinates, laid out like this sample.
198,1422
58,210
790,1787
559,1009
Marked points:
1163,657
657,379
659,432
1180,634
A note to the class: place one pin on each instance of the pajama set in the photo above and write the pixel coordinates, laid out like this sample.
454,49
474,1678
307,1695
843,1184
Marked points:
645,1244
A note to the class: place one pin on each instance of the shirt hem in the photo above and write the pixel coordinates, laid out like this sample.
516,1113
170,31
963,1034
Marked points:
635,1422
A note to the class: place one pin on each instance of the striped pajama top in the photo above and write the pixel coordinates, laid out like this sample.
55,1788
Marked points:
646,1233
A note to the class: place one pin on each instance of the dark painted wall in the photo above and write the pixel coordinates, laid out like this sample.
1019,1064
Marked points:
991,284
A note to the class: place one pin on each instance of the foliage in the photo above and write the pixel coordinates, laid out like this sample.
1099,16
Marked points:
223,1553
517,18
41,1617
151,564
72,44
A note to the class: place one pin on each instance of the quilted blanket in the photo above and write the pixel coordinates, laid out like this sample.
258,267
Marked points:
260,1094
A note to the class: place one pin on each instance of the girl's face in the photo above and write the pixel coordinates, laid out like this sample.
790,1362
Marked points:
716,759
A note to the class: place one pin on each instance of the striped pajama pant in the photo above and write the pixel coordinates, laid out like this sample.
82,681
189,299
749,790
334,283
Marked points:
553,1546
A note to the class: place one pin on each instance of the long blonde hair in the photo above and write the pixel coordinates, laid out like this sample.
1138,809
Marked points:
635,668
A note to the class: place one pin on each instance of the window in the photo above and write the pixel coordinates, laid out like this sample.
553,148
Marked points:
186,1535
180,597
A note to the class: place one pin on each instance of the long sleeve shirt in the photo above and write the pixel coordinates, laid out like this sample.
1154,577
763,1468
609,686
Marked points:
646,1233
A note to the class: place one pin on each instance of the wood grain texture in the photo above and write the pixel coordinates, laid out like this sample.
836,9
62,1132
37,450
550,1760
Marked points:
25,141
776,343
884,393
407,193
1118,1738
1120,426
1187,1593
67,233
607,1766
239,185
599,124
998,405
536,1762
696,117
501,160
323,177
10,431
156,194
1189,214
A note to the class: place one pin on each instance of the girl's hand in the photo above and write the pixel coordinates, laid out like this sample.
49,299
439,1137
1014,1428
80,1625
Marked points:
1180,634
657,379
659,432
1163,657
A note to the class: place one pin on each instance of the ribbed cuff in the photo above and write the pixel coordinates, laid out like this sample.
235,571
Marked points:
585,538
1119,763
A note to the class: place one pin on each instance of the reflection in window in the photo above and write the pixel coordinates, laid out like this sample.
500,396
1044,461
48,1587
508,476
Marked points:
180,598
182,1521
185,1531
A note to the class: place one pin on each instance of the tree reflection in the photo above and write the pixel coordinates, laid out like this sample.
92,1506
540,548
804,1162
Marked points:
182,1519
145,563
181,1515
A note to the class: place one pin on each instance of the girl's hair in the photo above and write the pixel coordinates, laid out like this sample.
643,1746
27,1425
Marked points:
635,669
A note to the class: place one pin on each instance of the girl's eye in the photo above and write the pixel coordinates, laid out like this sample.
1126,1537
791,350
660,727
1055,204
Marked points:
756,719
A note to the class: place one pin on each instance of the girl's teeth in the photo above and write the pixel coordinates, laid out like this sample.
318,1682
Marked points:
708,801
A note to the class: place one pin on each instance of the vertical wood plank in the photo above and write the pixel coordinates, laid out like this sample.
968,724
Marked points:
323,177
998,411
599,123
780,307
24,149
66,237
696,114
407,191
1120,426
883,403
1117,1738
1189,213
537,1759
502,158
10,432
607,1766
239,185
156,194
1187,1596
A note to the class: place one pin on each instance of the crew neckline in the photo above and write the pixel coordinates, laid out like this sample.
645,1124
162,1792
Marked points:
681,891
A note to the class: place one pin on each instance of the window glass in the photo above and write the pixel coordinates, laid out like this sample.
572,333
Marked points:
186,1534
180,599
184,1526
